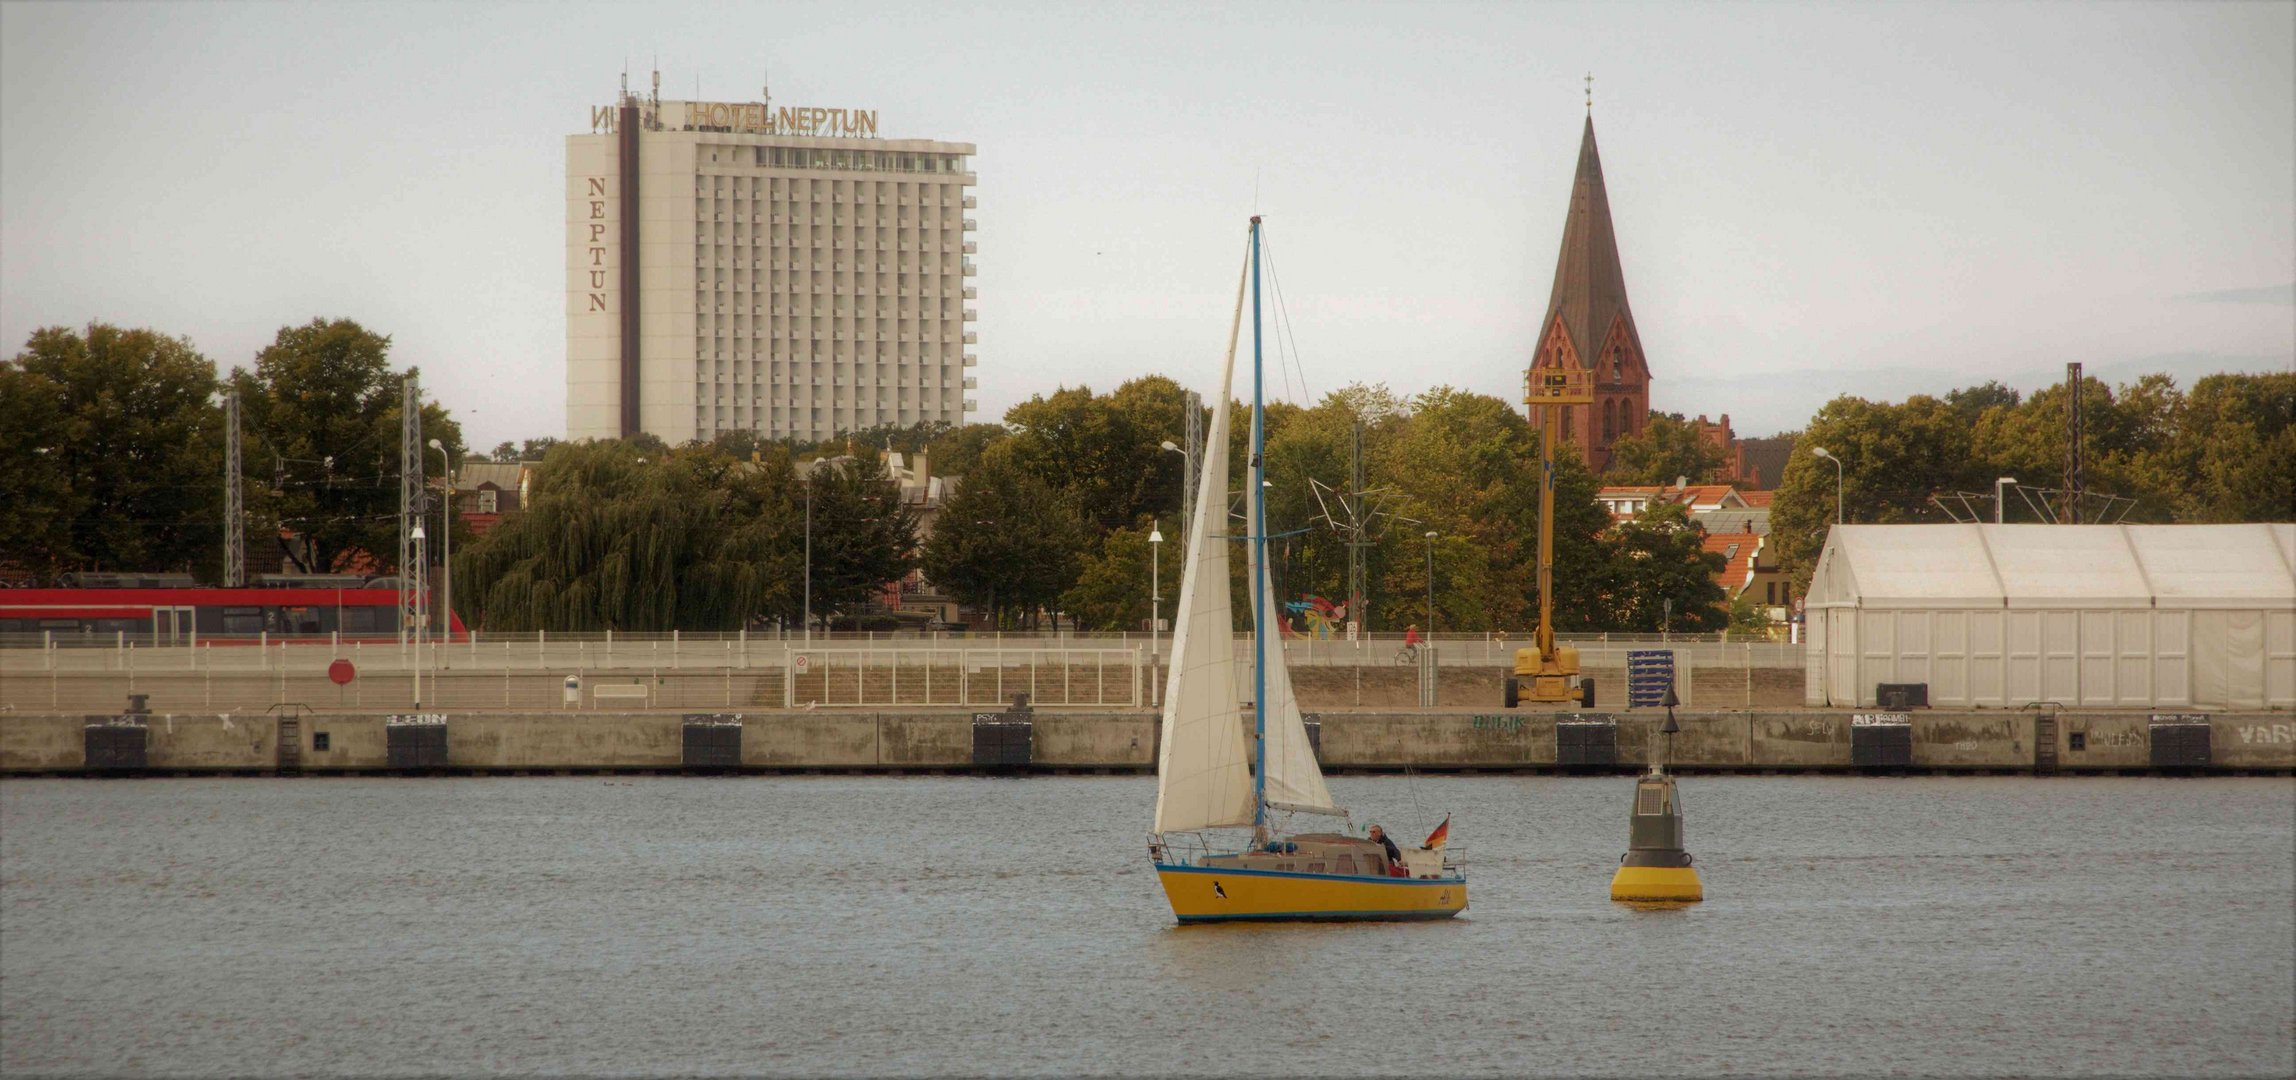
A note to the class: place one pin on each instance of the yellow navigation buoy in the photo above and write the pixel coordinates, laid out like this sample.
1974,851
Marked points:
1655,868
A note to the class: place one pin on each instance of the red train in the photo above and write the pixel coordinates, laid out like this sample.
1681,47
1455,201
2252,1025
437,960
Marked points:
167,609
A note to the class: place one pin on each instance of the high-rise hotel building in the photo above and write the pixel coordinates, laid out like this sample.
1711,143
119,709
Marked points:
749,266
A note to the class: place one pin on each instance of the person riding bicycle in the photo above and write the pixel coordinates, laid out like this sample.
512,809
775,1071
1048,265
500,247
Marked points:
1411,636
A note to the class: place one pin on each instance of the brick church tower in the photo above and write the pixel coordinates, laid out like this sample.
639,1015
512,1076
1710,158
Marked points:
1588,325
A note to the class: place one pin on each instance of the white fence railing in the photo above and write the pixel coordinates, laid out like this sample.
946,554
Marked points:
120,653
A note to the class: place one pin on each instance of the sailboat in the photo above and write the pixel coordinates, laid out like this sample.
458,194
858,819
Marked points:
1206,777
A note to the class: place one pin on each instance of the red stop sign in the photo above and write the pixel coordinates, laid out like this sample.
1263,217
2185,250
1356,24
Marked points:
342,672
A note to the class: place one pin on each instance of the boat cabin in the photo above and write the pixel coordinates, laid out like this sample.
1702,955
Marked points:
1329,853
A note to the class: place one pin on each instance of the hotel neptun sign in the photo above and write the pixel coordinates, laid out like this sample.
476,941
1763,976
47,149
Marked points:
754,118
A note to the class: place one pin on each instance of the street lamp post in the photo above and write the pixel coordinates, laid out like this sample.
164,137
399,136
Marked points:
2000,505
808,558
1431,588
1187,467
1821,452
1155,605
446,542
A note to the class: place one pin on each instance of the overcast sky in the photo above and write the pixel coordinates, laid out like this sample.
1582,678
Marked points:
1810,200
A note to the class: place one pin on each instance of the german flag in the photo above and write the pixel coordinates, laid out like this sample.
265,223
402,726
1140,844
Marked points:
1441,835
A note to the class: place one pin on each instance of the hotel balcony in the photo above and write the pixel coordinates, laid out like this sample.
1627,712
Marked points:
971,202
971,360
970,269
972,383
972,338
971,293
971,225
972,406
972,248
971,315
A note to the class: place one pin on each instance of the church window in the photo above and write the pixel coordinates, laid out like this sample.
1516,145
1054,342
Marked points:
1609,420
1567,413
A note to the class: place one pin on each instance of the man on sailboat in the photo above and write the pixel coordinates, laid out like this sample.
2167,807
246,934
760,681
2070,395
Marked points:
1394,854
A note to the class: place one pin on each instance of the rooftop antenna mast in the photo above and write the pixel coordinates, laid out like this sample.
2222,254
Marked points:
410,509
234,525
1359,520
1193,441
2073,444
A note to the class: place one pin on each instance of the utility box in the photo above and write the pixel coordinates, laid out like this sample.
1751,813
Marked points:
573,694
1881,741
115,744
712,741
415,742
1587,743
1898,697
2180,743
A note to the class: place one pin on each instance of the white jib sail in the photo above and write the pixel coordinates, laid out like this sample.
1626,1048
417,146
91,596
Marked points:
1294,782
1203,771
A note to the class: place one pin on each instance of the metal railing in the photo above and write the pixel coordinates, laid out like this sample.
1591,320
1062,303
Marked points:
120,651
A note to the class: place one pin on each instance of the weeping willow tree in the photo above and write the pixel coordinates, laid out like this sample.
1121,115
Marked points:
615,536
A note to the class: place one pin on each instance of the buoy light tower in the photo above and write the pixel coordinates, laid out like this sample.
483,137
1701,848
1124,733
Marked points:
1655,867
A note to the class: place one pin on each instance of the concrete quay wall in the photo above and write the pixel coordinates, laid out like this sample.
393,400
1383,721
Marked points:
1785,741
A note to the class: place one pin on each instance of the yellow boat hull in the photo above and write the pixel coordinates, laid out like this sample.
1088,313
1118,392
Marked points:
1663,883
1222,894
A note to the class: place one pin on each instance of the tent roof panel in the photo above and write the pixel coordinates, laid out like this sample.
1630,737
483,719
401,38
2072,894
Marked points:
1915,566
2214,566
2057,566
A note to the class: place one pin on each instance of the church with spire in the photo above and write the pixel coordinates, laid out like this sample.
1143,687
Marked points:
1588,324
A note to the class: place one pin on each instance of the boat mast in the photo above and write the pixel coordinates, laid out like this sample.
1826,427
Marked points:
1258,527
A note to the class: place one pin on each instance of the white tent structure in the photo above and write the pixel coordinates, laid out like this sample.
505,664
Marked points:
2000,616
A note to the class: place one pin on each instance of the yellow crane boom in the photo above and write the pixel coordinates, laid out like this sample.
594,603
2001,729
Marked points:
1548,668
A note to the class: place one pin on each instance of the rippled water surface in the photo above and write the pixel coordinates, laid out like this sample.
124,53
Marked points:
875,925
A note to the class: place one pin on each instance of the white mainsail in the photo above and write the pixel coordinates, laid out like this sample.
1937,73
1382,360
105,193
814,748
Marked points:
1203,772
1293,780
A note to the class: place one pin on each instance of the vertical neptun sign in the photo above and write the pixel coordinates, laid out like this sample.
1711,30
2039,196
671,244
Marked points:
602,297
594,225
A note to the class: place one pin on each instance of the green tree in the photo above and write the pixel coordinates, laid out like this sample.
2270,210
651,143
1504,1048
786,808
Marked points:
1972,402
611,538
1112,585
2234,453
37,505
955,453
2123,435
321,409
1893,458
530,450
1748,619
900,438
1007,542
1666,449
1469,463
1086,446
114,449
1658,559
864,536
